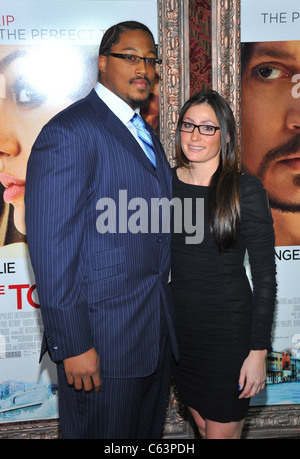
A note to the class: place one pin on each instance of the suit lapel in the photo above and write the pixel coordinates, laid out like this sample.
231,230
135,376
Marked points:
120,131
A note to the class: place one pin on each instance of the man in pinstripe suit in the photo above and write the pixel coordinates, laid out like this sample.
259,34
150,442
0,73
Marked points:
104,294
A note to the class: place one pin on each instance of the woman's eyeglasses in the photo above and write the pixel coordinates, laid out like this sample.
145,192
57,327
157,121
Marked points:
204,129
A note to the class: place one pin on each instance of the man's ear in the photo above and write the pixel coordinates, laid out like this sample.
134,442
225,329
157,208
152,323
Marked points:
228,138
102,63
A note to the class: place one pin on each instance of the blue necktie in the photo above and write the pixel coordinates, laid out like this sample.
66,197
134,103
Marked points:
145,137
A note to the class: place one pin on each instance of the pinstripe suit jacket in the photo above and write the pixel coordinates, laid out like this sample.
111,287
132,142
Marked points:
97,290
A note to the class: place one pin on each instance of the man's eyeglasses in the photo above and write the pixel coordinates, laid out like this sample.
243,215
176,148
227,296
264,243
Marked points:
204,129
131,59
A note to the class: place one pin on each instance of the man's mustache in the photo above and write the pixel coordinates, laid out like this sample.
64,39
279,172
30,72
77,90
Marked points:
140,78
283,152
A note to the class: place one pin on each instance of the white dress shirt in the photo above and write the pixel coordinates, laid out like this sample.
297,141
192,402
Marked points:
120,108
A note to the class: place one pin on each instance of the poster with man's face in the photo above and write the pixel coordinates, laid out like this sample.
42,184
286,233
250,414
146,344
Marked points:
271,109
270,149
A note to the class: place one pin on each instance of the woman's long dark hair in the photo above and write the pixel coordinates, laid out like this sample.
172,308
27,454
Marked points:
224,186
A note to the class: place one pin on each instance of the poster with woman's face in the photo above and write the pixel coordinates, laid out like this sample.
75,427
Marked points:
48,60
36,82
46,64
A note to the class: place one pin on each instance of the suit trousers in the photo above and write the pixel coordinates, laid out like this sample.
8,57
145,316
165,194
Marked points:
130,408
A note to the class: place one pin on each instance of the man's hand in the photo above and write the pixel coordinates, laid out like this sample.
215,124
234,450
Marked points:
83,371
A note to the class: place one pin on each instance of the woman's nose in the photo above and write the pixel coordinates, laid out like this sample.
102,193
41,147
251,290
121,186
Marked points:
196,134
9,146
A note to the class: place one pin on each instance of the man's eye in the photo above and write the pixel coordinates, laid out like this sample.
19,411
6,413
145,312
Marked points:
271,73
130,57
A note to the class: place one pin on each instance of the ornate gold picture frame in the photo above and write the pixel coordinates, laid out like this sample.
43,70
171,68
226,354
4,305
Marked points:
173,19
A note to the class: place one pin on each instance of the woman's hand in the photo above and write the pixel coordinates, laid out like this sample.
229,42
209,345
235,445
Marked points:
253,374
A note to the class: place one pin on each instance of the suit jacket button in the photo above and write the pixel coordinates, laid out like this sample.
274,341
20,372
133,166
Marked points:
158,239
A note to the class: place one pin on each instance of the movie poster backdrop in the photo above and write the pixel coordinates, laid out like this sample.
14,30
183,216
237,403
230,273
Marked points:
48,59
270,140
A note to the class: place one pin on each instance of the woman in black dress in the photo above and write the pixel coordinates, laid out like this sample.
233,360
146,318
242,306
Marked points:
223,325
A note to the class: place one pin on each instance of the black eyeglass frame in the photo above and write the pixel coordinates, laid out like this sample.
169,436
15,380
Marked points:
215,128
147,60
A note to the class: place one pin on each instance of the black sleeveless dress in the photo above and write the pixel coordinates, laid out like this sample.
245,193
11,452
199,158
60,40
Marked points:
218,318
